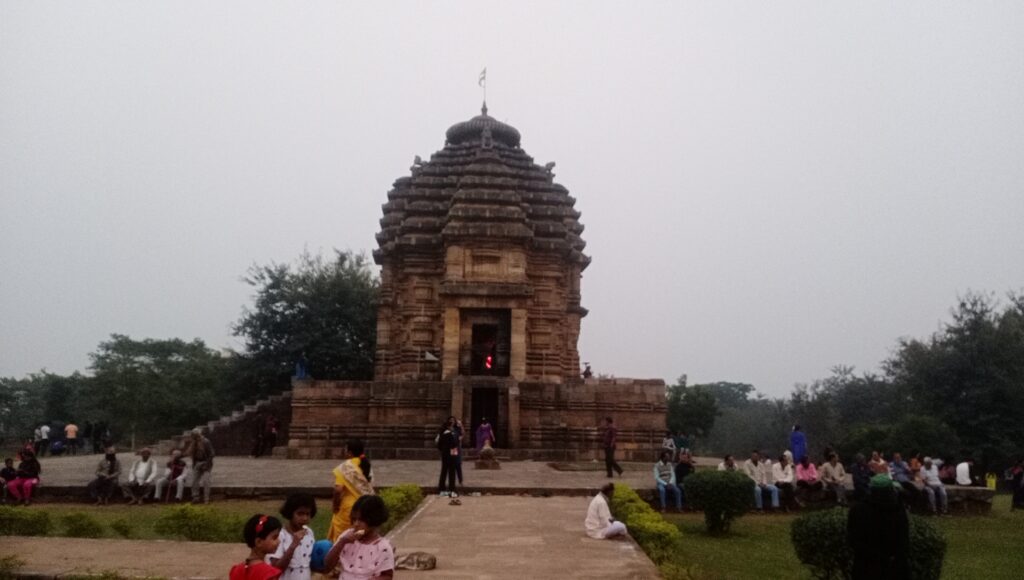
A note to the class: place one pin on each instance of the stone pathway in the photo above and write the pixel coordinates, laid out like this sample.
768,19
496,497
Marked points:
515,538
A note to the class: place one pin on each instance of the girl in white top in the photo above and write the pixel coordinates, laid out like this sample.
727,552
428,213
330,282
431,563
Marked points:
296,540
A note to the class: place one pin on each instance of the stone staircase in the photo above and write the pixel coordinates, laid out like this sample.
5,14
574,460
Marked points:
234,434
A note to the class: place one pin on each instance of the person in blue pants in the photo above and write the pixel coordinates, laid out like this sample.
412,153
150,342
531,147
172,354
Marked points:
665,478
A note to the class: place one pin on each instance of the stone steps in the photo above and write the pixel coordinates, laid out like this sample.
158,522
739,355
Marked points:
165,446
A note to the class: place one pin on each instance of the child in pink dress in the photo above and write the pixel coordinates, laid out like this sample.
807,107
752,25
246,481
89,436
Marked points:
364,554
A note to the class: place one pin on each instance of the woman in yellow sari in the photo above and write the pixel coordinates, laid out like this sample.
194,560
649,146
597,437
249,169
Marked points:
351,480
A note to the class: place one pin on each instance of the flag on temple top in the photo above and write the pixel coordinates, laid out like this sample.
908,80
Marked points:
483,77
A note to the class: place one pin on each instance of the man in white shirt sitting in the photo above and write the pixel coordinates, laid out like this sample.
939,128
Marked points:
933,487
599,522
140,478
963,472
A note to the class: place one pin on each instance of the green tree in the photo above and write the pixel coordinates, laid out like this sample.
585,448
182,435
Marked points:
970,376
691,409
147,389
322,309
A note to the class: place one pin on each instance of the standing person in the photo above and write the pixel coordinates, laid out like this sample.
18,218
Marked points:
665,480
295,551
682,445
200,450
141,477
71,436
86,439
1017,474
448,448
26,477
261,534
44,441
669,444
259,434
798,443
37,438
108,471
834,477
352,479
459,434
363,553
484,433
610,440
878,531
599,523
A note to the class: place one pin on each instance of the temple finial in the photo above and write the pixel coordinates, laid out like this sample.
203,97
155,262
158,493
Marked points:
483,109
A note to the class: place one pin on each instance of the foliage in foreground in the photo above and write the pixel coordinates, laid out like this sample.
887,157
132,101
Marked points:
723,496
79,525
819,539
22,522
659,539
400,500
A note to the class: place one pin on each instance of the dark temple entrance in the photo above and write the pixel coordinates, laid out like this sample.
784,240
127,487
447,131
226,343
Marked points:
486,342
485,404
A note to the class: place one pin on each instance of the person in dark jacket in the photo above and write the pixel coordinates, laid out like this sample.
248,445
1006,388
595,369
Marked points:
861,473
878,531
448,447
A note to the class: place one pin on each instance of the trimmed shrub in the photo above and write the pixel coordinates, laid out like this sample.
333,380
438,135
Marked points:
196,524
123,527
927,549
722,495
401,501
659,539
21,522
79,525
819,539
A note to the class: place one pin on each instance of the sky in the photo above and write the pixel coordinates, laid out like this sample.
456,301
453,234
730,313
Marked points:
768,189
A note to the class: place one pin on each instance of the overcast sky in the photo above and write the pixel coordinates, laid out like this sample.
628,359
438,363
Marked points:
768,189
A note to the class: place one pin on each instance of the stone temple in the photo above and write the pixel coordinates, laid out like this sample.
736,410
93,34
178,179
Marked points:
481,257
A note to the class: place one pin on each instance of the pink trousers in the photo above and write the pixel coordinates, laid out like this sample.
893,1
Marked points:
21,488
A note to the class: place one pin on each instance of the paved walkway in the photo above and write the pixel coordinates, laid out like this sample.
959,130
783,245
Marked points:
242,472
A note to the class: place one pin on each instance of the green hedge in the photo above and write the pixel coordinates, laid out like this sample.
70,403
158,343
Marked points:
819,539
24,522
401,500
659,539
79,525
723,496
199,524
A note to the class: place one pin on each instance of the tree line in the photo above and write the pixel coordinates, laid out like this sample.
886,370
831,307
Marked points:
320,311
956,393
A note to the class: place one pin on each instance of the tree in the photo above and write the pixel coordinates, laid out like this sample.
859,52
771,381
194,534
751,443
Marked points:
728,394
691,409
970,376
322,310
151,388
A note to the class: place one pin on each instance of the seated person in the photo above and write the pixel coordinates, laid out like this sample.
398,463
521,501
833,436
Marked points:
963,472
933,487
901,473
7,474
861,476
785,478
140,478
684,468
176,473
834,477
108,471
878,465
665,480
807,475
26,477
947,473
762,477
599,523
728,465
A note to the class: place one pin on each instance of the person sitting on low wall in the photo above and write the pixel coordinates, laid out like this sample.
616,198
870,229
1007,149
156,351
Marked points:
108,471
176,473
26,477
933,487
833,475
141,477
665,480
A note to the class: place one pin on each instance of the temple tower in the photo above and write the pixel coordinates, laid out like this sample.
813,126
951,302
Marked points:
481,258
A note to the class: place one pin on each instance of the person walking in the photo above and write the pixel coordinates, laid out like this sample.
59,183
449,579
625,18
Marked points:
798,443
610,440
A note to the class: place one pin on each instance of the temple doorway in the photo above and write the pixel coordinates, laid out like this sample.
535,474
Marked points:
485,403
486,342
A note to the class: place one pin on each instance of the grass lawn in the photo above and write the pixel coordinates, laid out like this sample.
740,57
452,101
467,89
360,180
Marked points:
142,518
989,548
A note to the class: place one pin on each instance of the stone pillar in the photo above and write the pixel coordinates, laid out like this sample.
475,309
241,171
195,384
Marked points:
513,416
517,367
450,346
458,398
